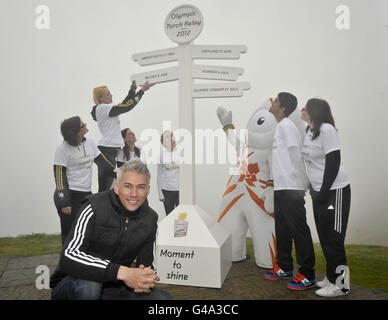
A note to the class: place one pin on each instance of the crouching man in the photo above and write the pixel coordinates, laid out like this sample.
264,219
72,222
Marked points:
112,229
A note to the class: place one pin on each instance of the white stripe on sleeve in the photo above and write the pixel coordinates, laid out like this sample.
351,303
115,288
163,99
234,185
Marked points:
73,252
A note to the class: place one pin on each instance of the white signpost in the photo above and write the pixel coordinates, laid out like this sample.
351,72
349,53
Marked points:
182,25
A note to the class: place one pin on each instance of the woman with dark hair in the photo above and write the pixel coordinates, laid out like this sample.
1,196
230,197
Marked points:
73,162
107,116
168,172
330,192
129,152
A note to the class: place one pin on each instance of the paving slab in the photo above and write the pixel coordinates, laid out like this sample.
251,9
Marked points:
24,293
18,263
3,262
17,278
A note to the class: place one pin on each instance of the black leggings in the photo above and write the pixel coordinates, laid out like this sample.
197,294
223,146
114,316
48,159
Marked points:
66,223
171,200
106,174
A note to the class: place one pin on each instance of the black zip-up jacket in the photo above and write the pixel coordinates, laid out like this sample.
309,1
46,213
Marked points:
105,235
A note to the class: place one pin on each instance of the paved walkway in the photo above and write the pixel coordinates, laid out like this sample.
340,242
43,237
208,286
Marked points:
244,282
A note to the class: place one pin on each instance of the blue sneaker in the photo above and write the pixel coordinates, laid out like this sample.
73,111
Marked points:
277,273
300,282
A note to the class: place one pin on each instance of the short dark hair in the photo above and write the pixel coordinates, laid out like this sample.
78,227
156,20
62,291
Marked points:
287,101
70,129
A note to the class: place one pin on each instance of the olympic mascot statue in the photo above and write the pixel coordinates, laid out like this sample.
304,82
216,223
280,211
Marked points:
248,200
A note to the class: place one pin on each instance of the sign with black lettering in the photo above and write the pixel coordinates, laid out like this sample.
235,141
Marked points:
156,56
183,24
216,72
214,90
205,246
217,51
156,76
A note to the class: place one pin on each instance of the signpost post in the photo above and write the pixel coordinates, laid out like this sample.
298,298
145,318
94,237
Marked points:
183,25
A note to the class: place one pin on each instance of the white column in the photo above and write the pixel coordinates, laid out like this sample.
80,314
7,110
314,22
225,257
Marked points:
186,119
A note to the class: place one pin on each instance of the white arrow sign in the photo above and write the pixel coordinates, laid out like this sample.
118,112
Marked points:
216,72
217,90
157,76
156,56
217,51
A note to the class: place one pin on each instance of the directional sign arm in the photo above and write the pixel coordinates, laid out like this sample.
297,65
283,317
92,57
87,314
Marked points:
218,51
216,72
219,90
156,56
157,76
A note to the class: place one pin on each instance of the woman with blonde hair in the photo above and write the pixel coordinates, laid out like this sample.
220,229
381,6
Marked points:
107,116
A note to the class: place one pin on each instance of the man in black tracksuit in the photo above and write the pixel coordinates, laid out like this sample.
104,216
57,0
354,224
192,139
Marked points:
112,229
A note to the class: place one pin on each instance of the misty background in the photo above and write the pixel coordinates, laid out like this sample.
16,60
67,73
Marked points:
48,75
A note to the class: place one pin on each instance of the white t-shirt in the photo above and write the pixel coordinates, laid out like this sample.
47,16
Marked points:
168,172
78,162
288,169
314,152
133,156
109,127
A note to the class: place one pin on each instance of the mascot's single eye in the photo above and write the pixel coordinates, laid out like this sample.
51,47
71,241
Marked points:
260,121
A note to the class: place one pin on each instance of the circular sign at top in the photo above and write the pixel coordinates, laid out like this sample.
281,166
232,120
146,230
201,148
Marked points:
183,24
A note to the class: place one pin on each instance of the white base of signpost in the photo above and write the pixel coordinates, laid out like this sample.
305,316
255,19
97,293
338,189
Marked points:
192,249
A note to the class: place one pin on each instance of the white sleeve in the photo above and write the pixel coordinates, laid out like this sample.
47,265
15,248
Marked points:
96,151
60,157
329,138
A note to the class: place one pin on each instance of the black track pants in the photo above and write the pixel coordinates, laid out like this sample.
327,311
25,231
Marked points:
171,200
331,219
67,219
291,225
106,174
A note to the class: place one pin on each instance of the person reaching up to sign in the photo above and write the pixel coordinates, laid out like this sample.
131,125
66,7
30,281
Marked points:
107,116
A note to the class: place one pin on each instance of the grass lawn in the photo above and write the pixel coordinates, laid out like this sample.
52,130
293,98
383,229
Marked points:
368,264
30,245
